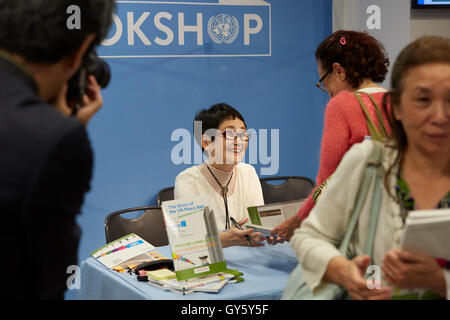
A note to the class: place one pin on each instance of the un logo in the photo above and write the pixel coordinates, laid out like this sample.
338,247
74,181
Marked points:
223,28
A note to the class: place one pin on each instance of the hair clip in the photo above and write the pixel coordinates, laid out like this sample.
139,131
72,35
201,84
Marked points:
343,41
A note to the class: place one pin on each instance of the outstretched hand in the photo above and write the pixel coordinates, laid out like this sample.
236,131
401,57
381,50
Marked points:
236,237
286,229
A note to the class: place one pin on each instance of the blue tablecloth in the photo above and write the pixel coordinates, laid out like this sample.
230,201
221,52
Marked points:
266,271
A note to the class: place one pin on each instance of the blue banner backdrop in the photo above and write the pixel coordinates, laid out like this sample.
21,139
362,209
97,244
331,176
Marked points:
169,60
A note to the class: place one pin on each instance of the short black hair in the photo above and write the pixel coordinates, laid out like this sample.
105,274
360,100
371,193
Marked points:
37,29
212,118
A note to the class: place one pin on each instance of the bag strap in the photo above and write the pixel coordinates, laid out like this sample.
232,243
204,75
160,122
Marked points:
376,134
379,116
372,171
376,203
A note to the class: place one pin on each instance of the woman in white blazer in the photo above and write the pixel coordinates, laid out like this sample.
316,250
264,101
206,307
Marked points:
417,166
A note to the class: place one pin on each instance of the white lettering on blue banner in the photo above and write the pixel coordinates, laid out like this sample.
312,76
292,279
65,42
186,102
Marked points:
208,28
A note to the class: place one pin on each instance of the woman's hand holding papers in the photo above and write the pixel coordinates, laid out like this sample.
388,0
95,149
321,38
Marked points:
406,269
236,237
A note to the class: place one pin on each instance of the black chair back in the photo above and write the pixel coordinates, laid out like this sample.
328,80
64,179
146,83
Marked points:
165,194
294,188
149,226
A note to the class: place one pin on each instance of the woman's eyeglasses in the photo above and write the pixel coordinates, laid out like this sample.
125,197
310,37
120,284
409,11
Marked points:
229,134
320,85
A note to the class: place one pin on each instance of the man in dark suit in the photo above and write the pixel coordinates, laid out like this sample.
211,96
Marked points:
45,156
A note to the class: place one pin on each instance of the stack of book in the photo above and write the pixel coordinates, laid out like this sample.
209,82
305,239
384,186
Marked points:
199,262
209,283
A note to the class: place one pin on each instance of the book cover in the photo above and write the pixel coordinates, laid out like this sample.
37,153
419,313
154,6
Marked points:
193,237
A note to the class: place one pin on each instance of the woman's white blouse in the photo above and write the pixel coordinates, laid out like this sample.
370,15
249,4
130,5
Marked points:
247,192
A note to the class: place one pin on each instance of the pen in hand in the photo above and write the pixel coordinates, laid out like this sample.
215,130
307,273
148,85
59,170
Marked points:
240,228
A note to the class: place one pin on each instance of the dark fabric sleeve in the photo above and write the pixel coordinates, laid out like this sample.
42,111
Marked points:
55,200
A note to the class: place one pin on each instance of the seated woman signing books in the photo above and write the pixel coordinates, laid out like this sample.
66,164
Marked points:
231,186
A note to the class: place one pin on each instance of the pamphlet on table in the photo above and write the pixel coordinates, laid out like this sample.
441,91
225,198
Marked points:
130,249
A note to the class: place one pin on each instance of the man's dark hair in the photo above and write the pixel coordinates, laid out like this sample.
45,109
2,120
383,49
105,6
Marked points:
212,118
37,29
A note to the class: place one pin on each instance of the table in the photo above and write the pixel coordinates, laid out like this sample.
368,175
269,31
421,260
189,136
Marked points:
266,271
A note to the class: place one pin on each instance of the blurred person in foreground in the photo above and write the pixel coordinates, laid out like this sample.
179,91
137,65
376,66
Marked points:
46,159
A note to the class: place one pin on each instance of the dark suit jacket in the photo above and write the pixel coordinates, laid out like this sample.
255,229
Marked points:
45,169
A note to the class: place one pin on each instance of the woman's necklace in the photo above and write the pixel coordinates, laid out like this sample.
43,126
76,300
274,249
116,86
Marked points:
224,195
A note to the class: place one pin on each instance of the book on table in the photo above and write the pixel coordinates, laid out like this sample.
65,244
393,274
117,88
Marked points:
193,237
123,252
198,257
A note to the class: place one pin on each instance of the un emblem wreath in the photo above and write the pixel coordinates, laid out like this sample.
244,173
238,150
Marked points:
223,28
